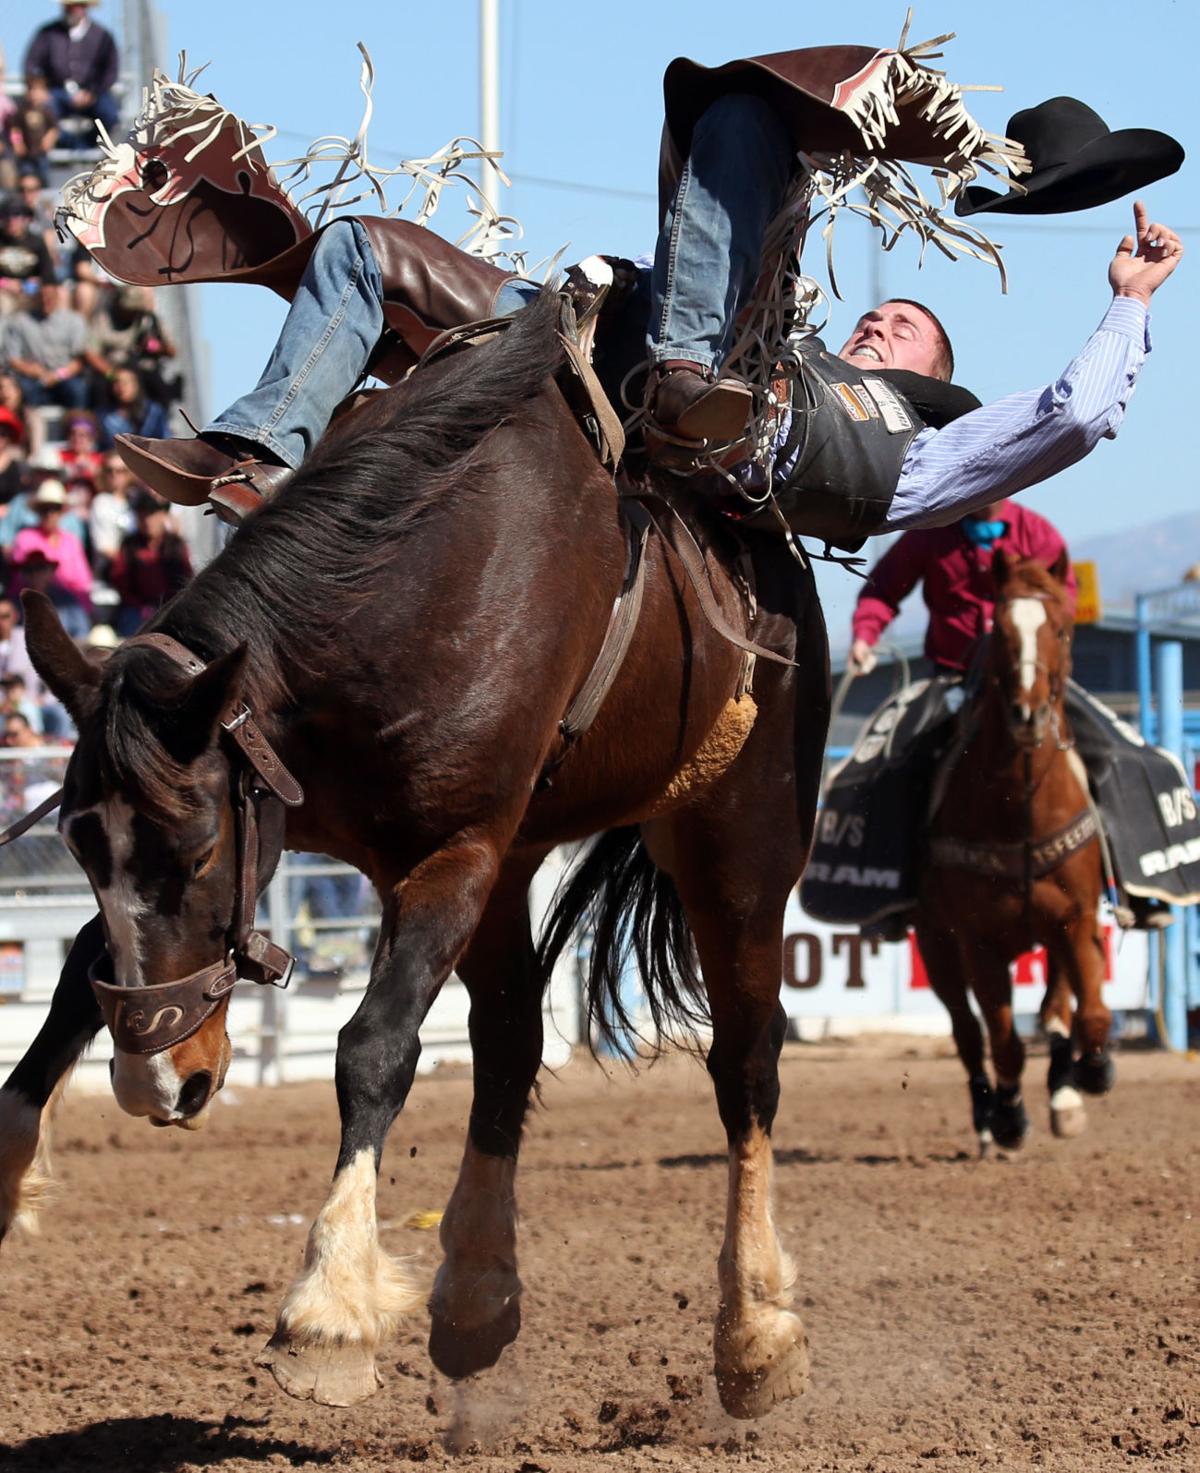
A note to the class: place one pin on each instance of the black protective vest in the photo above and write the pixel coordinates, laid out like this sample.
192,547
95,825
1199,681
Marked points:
849,435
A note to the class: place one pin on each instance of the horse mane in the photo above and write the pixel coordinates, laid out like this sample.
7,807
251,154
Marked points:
305,561
140,685
286,583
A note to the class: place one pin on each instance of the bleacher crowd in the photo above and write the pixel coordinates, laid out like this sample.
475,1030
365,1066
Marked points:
82,360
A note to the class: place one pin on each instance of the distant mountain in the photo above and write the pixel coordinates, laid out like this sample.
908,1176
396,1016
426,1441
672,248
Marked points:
1140,559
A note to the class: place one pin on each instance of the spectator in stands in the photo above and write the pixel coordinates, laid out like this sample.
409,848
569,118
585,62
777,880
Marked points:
78,58
14,658
8,164
45,350
110,518
25,783
130,409
128,334
24,258
41,202
81,456
14,696
152,565
18,731
12,398
33,131
70,587
12,455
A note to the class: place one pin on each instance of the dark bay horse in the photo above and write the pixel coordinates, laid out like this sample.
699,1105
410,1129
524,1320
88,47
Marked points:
1015,860
406,625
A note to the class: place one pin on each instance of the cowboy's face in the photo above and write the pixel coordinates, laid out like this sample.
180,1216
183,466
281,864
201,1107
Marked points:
894,335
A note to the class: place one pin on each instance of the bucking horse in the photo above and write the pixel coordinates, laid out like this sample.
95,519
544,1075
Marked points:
397,640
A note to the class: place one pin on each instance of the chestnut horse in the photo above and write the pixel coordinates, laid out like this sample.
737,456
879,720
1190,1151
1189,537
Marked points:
402,630
1013,860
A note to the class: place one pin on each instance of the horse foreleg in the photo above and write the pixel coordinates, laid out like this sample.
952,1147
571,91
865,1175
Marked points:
476,1301
1067,1114
351,1294
992,985
1081,955
33,1089
946,968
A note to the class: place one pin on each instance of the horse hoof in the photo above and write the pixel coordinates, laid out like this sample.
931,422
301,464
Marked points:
761,1363
332,1375
1010,1124
1068,1118
986,1141
462,1351
1095,1074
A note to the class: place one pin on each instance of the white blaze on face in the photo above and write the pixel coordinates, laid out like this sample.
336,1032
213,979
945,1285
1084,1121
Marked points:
122,907
143,1084
1028,616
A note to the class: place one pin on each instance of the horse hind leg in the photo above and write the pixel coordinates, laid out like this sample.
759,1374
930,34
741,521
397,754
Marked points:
475,1307
351,1294
32,1091
760,1348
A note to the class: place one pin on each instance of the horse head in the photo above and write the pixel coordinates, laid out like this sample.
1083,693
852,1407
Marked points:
1030,654
150,812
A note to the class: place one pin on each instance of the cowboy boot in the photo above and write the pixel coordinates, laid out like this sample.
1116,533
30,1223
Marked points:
191,472
687,406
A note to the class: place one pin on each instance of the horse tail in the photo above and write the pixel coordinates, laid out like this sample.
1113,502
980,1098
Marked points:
630,908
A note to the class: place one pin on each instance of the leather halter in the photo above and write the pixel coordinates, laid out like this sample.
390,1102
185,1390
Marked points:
147,1020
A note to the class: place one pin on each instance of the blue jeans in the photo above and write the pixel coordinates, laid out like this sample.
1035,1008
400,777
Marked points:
710,246
327,339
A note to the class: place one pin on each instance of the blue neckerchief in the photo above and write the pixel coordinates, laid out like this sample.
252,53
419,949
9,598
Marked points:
983,534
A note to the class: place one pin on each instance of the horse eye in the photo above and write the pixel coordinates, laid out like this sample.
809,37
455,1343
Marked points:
201,863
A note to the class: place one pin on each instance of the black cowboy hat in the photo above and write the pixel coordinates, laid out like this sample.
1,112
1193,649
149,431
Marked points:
1077,162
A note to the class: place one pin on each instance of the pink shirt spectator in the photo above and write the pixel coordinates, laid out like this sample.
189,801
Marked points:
956,578
64,548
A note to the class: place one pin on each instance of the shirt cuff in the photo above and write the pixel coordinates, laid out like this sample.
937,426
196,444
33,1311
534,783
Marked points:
1130,318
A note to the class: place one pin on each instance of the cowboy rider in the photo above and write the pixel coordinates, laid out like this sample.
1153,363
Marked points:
732,133
954,566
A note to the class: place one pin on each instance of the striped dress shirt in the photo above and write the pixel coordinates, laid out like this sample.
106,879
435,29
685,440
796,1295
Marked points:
1026,438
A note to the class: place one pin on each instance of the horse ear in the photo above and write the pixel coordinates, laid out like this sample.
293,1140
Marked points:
1001,567
213,691
1061,566
56,657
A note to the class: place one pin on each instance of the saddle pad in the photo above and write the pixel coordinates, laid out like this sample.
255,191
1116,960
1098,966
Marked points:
865,861
1145,799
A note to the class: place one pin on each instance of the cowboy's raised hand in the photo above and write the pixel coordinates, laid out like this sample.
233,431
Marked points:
1141,266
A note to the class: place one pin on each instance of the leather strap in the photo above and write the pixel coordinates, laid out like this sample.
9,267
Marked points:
1016,862
23,825
687,549
146,1020
237,723
621,623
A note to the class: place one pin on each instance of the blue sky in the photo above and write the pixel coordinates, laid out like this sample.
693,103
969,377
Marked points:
580,119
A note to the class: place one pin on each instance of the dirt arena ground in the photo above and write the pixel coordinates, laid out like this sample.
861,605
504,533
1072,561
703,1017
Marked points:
1035,1313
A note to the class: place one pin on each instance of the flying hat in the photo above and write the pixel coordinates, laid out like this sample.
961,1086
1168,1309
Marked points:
1077,162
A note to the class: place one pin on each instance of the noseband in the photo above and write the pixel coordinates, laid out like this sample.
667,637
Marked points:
147,1020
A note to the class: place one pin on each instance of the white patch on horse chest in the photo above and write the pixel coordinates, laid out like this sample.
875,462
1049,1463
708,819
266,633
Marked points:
1028,616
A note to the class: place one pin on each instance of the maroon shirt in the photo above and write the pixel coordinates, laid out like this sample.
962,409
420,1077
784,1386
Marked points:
956,578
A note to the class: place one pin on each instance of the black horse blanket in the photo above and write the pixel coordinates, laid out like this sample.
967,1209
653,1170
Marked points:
869,848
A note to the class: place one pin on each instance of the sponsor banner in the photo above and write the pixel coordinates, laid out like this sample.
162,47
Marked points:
830,971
